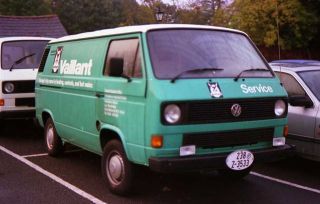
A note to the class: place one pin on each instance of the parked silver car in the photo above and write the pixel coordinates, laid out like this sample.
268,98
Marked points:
301,79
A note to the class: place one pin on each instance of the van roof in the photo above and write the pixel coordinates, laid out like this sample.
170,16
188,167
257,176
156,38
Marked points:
136,29
17,38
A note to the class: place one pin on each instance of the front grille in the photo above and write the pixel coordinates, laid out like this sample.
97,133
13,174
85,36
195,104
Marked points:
219,111
228,139
25,102
20,86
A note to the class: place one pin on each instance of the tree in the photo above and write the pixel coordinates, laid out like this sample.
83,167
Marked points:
88,15
201,11
171,14
262,20
25,8
313,6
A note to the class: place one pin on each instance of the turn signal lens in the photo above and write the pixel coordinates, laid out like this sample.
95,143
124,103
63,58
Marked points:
156,141
1,102
285,131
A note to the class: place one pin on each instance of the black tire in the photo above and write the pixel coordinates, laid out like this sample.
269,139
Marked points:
52,140
234,175
114,158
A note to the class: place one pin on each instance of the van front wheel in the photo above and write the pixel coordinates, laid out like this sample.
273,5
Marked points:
116,169
53,142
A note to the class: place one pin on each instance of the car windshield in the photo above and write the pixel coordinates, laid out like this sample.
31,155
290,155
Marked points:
22,54
311,78
217,53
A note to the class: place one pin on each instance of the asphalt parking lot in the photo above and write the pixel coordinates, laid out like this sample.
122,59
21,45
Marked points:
29,175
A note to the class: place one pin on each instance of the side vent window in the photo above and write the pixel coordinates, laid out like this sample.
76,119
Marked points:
44,59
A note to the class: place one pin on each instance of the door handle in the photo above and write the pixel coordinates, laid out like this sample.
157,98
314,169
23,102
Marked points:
99,95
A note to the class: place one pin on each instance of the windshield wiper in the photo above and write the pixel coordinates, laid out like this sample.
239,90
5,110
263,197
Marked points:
250,70
197,70
20,60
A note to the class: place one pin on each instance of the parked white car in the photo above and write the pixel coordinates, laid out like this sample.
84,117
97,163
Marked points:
19,62
301,79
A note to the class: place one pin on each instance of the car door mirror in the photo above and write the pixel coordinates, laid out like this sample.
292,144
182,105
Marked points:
300,100
116,67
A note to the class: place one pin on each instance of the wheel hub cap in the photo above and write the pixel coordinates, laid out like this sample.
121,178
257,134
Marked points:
115,167
50,136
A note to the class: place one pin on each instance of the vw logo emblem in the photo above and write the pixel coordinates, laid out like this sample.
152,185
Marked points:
236,110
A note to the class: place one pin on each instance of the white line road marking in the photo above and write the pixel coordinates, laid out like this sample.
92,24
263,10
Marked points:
285,182
53,177
46,154
34,155
96,200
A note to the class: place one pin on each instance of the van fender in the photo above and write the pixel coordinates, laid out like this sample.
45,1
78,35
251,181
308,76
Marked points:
115,133
48,113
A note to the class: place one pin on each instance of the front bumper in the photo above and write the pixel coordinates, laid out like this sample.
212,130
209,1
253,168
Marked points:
215,161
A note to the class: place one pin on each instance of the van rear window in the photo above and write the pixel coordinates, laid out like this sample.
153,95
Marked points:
22,54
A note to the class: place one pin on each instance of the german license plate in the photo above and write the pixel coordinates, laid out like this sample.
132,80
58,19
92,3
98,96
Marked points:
239,160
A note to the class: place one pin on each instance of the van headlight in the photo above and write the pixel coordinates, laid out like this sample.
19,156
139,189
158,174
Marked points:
8,87
172,113
280,108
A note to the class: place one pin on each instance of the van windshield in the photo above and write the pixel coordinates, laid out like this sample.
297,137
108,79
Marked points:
217,53
22,54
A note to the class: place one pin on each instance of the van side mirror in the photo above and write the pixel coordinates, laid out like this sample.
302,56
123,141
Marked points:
300,100
116,68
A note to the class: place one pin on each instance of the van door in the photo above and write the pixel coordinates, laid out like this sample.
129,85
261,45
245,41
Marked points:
73,99
121,97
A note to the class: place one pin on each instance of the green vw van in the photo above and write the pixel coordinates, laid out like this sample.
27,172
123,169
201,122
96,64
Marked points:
171,97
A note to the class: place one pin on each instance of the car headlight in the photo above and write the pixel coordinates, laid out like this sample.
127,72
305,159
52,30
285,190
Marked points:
172,113
8,87
279,107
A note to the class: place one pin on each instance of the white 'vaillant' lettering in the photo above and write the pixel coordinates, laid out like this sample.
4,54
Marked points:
75,68
254,89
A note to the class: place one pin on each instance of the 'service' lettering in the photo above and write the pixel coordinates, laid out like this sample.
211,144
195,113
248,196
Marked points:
256,89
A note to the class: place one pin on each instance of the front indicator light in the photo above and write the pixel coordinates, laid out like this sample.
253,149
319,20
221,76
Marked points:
285,131
1,102
156,141
278,141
